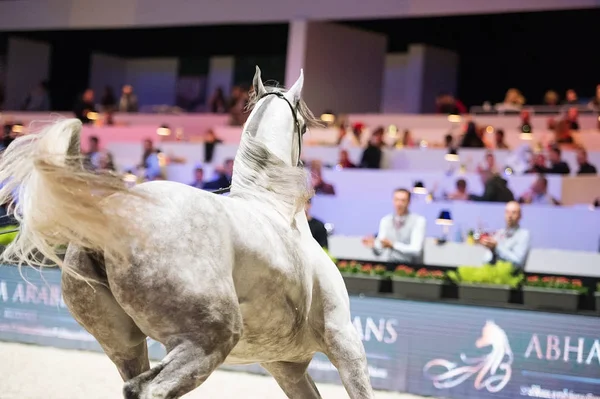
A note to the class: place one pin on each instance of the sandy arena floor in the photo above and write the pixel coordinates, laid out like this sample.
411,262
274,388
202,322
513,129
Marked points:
33,372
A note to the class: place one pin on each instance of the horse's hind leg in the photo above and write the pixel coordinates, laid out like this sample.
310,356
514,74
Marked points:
99,313
199,341
345,350
293,379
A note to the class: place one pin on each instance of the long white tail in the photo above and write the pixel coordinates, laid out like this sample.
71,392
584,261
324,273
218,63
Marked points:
57,201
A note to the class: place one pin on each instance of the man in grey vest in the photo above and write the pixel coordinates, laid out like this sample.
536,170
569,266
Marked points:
510,244
401,234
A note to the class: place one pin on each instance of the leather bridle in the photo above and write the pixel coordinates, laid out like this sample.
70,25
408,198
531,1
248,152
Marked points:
300,130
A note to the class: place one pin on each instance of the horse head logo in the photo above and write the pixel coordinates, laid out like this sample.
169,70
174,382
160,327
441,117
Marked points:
492,371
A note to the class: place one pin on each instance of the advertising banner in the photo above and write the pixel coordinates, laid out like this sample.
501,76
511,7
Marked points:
434,349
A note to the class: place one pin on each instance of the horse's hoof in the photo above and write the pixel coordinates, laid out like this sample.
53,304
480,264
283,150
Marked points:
131,390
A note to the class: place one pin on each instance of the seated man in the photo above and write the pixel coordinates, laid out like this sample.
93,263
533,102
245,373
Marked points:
510,244
538,193
401,234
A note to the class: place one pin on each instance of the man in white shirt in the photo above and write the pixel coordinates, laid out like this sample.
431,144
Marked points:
510,244
401,234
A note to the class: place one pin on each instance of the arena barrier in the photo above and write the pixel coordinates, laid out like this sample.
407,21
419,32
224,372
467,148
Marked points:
438,349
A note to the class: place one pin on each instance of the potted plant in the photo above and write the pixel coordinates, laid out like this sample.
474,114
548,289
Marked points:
486,284
559,293
362,279
419,284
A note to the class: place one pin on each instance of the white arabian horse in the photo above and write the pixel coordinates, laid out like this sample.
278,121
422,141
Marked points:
232,279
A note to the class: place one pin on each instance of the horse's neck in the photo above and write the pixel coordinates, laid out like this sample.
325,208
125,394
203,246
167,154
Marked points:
302,224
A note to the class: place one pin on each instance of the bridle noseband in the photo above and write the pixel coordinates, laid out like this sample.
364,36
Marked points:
300,130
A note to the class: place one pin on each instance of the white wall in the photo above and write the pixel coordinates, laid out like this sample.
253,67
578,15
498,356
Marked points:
71,14
413,79
395,81
154,80
340,77
220,74
107,70
27,64
440,75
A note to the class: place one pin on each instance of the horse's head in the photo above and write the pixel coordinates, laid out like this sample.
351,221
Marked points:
278,119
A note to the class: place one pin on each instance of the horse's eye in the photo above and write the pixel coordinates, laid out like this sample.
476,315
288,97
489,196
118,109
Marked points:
303,129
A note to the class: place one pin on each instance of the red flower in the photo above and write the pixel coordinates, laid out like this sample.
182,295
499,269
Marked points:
533,279
576,283
422,272
548,279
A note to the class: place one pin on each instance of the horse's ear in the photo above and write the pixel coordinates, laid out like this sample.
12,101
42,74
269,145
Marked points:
259,87
293,95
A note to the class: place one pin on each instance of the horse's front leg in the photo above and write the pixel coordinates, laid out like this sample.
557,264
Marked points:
345,350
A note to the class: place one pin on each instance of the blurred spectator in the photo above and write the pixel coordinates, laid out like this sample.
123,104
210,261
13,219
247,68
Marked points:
92,156
495,188
538,193
372,155
128,101
106,162
217,103
237,106
562,133
585,168
571,98
461,193
344,161
573,118
150,162
499,142
84,106
513,101
108,100
471,138
447,104
538,164
595,102
406,141
520,159
317,228
401,234
38,99
210,142
557,165
353,139
318,184
510,244
488,164
198,178
551,98
224,177
526,126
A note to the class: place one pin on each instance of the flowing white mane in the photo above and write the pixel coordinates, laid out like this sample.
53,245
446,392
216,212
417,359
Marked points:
260,174
265,164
